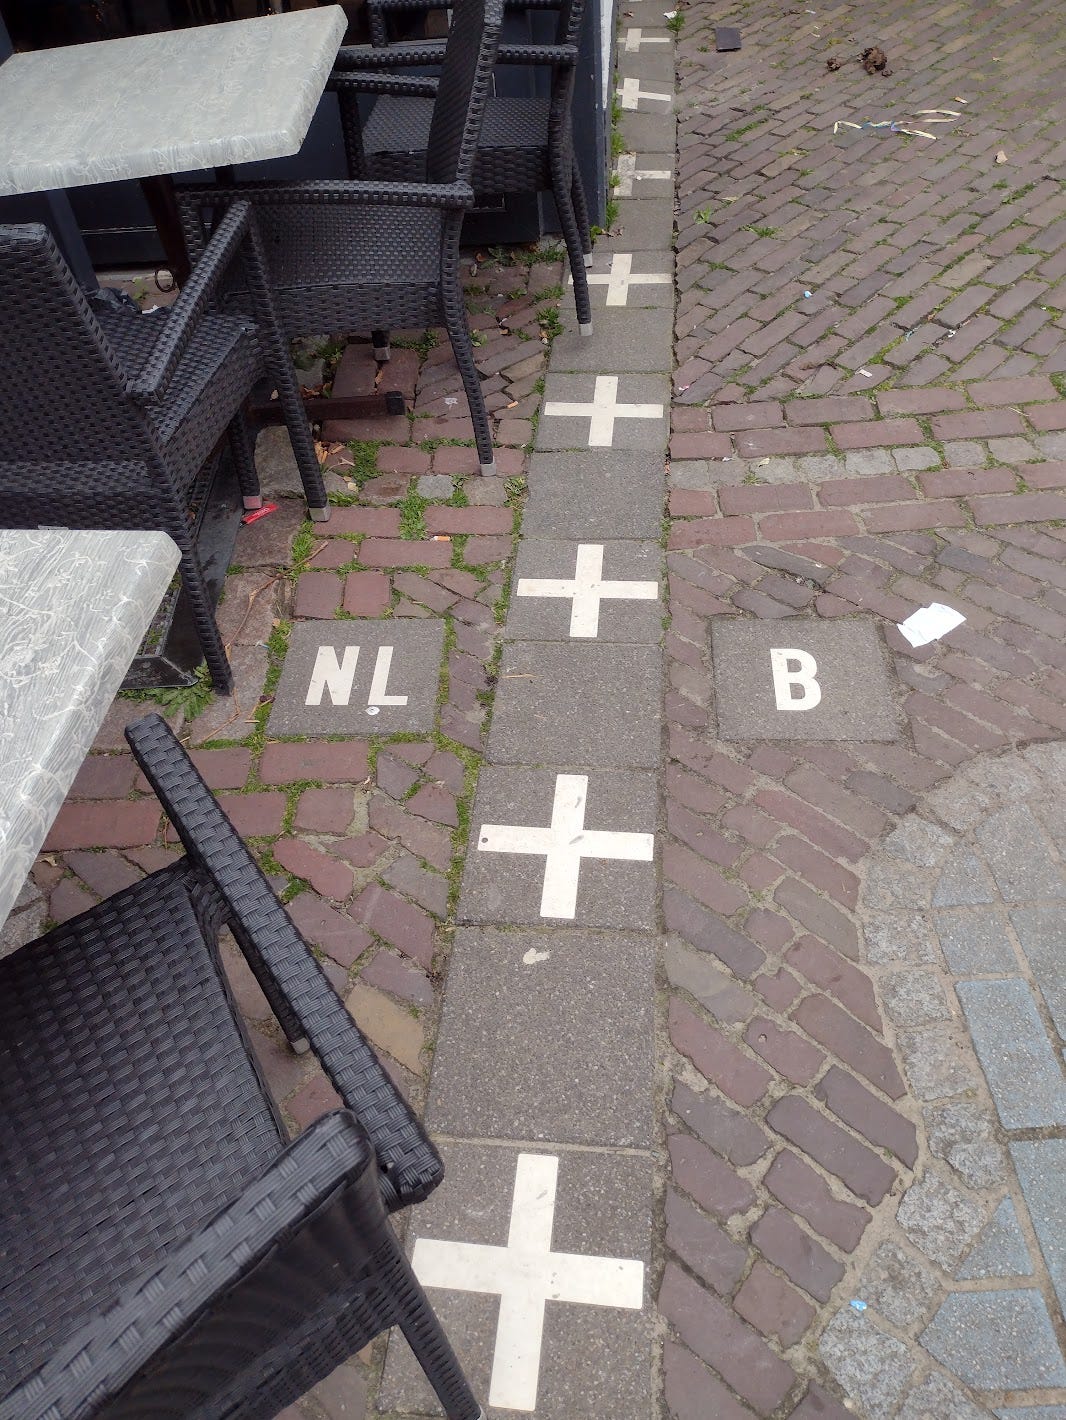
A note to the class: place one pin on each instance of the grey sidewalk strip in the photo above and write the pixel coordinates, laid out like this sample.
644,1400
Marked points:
626,280
644,223
605,591
590,411
594,494
640,341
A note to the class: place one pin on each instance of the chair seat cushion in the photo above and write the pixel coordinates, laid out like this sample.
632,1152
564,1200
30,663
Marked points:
512,151
130,1110
213,376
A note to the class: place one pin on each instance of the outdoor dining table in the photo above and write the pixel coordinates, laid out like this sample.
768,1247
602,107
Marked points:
73,609
149,106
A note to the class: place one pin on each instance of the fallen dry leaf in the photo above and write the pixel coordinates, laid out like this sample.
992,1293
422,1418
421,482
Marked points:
1001,156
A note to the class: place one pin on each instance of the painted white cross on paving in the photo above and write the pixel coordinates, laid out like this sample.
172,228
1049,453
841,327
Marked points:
630,93
635,37
564,843
628,173
526,1274
622,276
587,589
602,411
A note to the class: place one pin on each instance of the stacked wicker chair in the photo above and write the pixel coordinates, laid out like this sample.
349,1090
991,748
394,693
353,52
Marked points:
167,1252
364,256
526,144
108,418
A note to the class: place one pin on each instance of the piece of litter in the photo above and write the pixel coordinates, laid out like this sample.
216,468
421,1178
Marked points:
917,133
867,373
929,623
950,111
762,463
440,537
451,399
857,1305
806,295
263,512
952,334
1001,156
531,957
373,710
960,100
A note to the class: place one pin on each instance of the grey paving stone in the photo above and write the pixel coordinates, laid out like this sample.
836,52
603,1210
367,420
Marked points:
643,223
1033,1412
1020,855
901,1287
1000,1251
628,339
595,494
622,617
975,941
435,485
936,1061
918,841
633,171
913,998
621,281
937,1399
965,453
575,1061
898,936
652,133
507,887
856,701
344,699
963,1133
911,460
861,463
964,881
1042,934
1041,1165
939,1220
653,63
594,1360
997,1340
1012,1045
872,1367
579,704
641,430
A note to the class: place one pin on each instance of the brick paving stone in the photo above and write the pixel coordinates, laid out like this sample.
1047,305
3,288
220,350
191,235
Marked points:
855,1165
725,1129
772,1306
803,1190
712,1183
787,1246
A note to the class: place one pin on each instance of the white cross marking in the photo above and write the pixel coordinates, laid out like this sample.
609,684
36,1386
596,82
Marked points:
631,94
526,1274
602,411
564,844
622,276
628,173
635,37
587,589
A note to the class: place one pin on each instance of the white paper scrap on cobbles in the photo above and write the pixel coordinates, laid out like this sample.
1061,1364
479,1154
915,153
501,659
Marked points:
929,623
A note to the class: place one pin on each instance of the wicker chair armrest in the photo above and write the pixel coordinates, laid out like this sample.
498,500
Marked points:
355,81
180,324
94,1365
564,55
411,1167
458,195
356,57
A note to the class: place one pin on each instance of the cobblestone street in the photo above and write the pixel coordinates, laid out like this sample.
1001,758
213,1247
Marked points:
718,930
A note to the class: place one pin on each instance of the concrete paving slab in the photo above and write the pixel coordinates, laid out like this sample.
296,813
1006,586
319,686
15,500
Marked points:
557,1359
359,678
643,223
510,886
1000,1251
652,64
1042,933
626,411
975,941
653,132
638,340
1041,1165
595,494
643,175
997,1340
577,704
802,679
565,591
1012,1045
575,1062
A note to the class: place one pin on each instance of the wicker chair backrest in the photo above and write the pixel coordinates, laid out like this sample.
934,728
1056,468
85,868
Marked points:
62,391
466,73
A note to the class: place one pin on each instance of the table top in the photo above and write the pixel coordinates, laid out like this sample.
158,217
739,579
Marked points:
164,103
74,607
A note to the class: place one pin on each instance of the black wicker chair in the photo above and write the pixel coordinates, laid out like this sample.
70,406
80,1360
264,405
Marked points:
107,417
166,1253
526,144
365,256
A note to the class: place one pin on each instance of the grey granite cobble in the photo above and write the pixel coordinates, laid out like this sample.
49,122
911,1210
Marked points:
939,1220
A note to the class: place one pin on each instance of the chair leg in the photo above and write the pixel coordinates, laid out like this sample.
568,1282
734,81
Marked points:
581,212
561,188
454,312
380,341
243,451
426,1338
203,615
